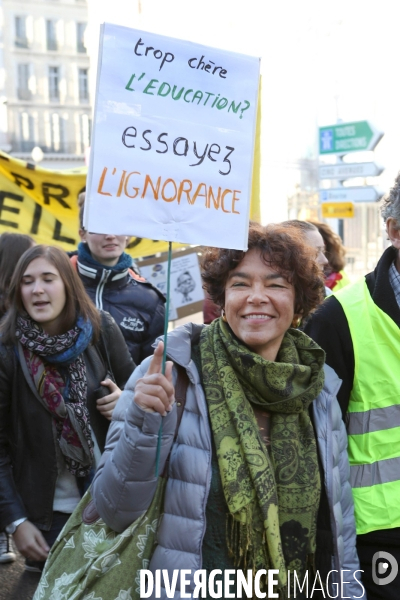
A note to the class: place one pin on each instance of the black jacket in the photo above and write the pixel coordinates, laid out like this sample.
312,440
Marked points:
137,307
328,326
28,464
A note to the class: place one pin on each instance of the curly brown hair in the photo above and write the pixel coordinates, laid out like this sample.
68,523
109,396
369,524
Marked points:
282,249
335,251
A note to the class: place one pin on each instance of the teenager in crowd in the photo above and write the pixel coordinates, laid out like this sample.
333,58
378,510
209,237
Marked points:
62,367
108,274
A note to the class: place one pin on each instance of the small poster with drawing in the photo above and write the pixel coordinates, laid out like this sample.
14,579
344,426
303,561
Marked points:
186,284
186,291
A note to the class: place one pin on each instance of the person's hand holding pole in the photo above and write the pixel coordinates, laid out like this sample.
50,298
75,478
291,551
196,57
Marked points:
155,392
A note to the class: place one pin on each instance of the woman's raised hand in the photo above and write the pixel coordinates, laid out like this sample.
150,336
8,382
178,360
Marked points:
30,542
107,404
155,392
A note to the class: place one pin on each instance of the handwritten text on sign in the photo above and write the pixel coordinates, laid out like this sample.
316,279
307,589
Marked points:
173,140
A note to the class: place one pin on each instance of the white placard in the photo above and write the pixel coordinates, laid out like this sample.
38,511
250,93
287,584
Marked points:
185,284
173,140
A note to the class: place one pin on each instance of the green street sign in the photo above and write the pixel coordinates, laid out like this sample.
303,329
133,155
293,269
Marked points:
348,137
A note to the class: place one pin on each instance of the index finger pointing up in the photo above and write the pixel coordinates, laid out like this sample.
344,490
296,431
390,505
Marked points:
156,361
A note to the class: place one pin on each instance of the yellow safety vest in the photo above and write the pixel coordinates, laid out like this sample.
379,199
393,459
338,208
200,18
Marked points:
373,418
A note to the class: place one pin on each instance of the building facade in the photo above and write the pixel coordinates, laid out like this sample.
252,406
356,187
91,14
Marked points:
44,80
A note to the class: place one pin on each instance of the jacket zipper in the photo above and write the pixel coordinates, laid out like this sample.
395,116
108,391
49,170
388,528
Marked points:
100,288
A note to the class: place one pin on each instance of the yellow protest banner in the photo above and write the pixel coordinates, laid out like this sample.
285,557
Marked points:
39,202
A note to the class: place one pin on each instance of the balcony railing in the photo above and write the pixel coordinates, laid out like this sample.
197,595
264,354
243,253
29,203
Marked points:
21,42
24,94
51,44
60,148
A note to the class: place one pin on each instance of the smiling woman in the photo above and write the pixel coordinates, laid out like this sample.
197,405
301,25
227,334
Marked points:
53,420
259,305
259,470
285,255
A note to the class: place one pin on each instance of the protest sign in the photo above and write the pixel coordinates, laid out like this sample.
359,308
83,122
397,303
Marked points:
43,204
173,140
186,287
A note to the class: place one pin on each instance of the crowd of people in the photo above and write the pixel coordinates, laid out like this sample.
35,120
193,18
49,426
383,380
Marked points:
286,455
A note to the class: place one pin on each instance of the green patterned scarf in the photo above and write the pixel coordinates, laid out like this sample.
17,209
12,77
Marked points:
272,499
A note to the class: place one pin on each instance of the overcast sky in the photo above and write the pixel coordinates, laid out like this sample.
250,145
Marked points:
321,60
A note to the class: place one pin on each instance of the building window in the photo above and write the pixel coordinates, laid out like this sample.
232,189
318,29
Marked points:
23,91
80,38
85,126
56,133
54,83
51,35
27,132
83,79
21,39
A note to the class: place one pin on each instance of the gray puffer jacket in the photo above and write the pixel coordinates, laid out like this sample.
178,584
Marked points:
125,481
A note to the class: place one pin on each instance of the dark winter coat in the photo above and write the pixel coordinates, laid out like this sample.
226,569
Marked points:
28,463
137,307
330,329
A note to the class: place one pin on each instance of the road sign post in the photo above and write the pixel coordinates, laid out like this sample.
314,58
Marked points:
367,193
343,138
344,171
339,140
337,210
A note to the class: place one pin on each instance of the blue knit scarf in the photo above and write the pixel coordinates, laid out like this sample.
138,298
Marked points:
124,262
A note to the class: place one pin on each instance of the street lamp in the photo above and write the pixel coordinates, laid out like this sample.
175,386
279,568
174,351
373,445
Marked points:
37,154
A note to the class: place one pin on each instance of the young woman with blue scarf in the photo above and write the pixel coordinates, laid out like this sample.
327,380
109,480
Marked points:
108,274
62,367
